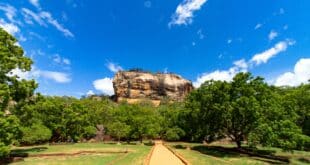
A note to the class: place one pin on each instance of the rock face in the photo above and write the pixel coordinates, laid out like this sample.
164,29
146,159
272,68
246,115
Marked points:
134,86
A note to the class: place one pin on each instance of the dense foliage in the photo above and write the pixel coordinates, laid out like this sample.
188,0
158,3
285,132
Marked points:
247,110
12,90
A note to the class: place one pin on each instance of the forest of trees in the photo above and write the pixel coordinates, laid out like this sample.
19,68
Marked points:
247,110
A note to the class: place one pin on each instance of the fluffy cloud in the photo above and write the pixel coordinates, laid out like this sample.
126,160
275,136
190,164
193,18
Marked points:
243,65
9,27
58,77
263,57
90,93
104,85
114,67
184,12
272,35
43,18
222,75
300,74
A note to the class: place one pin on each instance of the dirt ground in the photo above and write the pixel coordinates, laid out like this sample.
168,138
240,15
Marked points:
161,155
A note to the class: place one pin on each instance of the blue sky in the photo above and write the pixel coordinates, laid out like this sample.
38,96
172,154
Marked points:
77,45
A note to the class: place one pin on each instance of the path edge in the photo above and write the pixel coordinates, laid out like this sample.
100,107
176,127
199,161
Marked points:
147,160
177,155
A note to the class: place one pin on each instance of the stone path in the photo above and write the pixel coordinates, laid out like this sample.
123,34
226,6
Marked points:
162,156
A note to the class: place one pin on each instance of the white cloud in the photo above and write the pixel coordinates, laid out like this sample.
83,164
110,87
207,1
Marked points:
229,41
66,61
221,75
48,16
301,74
243,65
29,15
104,85
9,27
43,18
90,93
267,54
259,25
272,35
114,67
35,3
184,12
21,74
35,73
58,77
10,12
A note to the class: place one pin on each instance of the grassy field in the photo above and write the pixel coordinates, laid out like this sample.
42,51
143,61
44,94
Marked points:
135,155
198,154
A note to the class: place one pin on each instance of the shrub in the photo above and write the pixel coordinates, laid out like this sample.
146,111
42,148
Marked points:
35,134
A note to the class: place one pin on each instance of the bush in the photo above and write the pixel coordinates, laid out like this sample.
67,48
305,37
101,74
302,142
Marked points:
173,134
35,134
4,150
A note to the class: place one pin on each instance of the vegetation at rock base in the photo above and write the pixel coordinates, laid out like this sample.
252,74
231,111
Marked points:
247,110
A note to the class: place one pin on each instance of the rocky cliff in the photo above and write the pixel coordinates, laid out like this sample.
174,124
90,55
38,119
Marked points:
134,86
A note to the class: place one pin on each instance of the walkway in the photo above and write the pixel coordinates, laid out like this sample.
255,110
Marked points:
162,156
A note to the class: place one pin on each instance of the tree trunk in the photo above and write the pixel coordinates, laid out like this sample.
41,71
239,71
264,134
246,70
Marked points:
238,142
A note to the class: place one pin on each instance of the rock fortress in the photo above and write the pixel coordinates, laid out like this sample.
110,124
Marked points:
136,85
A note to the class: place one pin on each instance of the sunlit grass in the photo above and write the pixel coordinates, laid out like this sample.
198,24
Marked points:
136,154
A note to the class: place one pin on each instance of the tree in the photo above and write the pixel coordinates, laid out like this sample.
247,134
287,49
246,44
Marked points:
244,109
141,118
35,134
118,129
170,124
12,90
203,117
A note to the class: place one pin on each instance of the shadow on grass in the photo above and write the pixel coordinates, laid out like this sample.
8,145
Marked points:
267,156
304,160
19,154
25,152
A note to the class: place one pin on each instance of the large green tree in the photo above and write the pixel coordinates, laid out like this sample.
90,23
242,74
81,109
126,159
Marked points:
140,120
13,90
246,109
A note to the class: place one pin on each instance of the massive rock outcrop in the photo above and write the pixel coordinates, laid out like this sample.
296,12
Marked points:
134,86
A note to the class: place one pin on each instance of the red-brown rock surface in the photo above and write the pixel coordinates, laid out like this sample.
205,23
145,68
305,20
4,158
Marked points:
134,86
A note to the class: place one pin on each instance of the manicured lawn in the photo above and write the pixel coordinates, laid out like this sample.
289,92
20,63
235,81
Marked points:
200,154
135,155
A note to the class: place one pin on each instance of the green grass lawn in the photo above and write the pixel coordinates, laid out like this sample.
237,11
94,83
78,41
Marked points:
198,154
136,154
